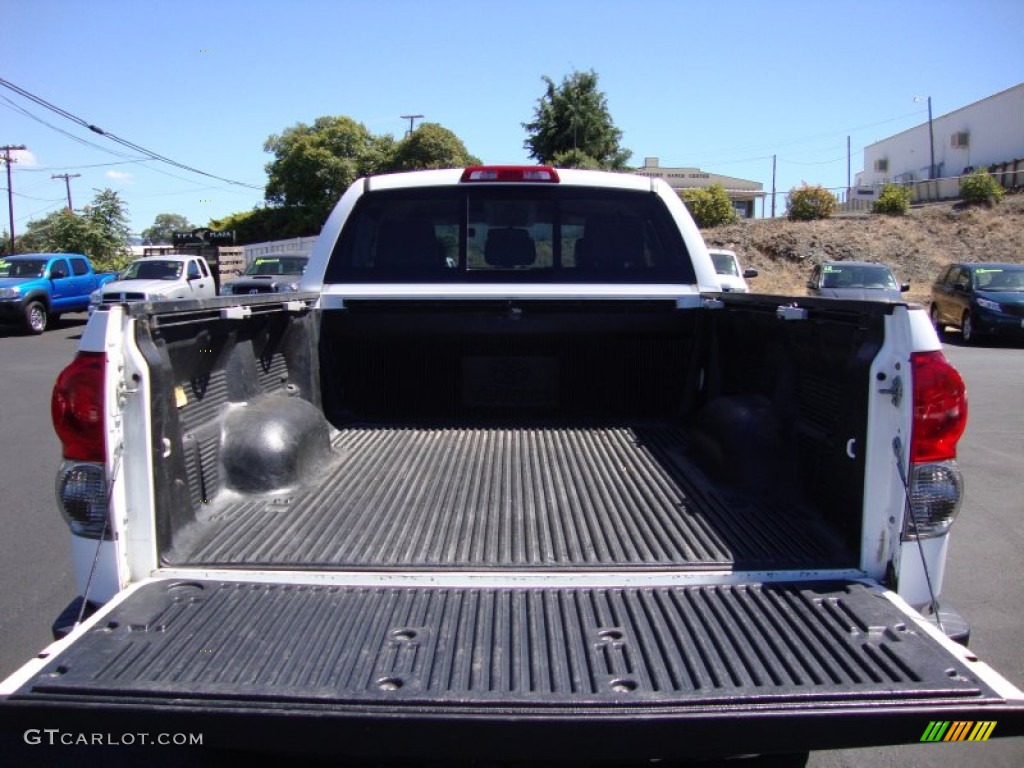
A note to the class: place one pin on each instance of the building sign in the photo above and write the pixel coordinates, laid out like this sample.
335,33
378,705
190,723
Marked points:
204,236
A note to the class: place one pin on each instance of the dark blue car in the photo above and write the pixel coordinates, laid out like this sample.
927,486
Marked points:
980,300
36,288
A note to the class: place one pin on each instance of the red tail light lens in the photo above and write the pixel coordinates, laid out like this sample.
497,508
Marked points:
77,408
940,408
537,173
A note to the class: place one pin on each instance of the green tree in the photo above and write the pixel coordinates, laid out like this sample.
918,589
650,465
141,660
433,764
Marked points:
164,226
100,231
807,203
574,117
107,219
262,224
430,146
314,164
59,232
710,207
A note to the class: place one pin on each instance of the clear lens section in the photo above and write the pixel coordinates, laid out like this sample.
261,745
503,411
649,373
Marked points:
936,491
82,499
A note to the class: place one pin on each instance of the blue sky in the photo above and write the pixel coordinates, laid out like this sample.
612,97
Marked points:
723,87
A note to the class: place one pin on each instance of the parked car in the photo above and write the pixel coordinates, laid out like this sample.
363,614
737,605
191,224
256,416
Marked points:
36,288
274,273
855,280
730,275
155,278
980,299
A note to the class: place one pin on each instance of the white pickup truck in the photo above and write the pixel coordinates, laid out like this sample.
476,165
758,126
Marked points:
158,278
510,478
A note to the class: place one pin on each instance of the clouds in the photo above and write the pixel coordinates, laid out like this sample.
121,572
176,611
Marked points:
24,158
120,177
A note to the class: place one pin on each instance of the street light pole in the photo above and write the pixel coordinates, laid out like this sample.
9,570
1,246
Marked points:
410,118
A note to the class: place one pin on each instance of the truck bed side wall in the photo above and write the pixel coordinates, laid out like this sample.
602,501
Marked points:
200,371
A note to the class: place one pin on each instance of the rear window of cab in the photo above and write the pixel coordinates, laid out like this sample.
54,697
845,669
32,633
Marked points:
490,233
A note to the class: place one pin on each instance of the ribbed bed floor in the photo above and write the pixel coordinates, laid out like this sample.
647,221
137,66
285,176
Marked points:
509,498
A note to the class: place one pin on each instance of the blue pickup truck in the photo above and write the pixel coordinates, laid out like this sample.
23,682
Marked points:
36,288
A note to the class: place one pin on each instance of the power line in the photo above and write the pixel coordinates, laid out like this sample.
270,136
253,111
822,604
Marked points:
50,169
131,160
23,196
117,139
42,228
714,162
18,108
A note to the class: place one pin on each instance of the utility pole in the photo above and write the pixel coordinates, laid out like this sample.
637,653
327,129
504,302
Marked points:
931,142
67,182
10,192
847,169
773,186
410,118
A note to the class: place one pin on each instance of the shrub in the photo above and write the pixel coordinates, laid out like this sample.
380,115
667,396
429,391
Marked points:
710,207
808,203
980,187
894,200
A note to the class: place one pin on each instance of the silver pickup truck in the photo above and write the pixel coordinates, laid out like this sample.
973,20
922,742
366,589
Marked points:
510,478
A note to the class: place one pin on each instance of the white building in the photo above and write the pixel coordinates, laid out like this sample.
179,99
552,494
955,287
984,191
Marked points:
986,134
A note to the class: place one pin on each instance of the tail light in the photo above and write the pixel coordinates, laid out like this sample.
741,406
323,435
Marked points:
940,408
78,419
536,173
77,408
940,416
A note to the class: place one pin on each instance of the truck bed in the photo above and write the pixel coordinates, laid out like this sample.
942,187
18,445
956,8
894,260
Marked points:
487,498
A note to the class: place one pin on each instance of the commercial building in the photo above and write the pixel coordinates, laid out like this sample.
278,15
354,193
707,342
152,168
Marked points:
931,157
743,194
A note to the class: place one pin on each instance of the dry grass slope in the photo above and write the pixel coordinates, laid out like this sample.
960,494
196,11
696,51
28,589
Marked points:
916,246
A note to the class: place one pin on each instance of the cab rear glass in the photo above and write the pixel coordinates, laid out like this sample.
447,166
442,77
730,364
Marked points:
510,234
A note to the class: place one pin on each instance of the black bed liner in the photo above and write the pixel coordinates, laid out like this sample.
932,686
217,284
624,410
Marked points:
622,496
585,664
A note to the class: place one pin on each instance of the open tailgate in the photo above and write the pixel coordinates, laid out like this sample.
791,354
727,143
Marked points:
526,672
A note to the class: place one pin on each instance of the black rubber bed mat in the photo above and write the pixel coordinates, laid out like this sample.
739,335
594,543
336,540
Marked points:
451,674
510,498
699,645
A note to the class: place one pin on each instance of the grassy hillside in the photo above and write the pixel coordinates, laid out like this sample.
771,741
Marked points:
916,245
